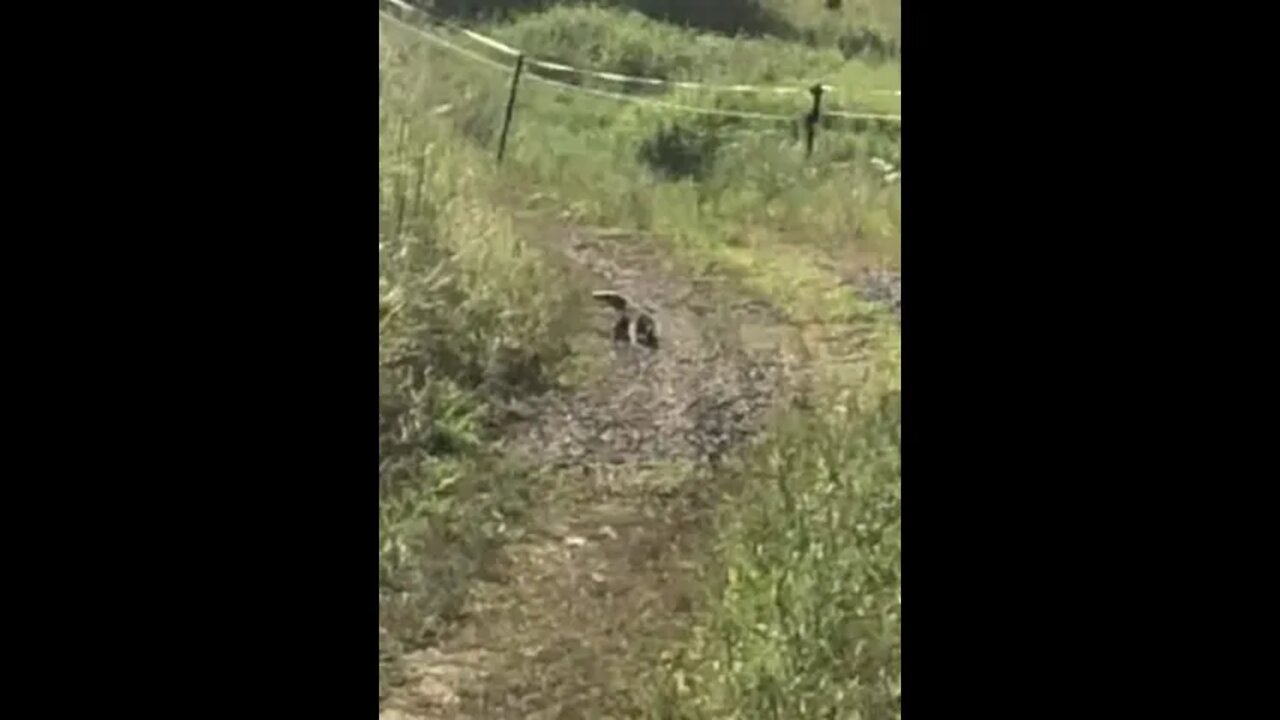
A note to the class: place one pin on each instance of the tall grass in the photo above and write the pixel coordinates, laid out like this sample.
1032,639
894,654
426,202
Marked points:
805,617
470,314
864,28
869,29
628,42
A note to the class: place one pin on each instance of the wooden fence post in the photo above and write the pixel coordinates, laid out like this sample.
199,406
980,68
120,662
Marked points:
811,121
511,106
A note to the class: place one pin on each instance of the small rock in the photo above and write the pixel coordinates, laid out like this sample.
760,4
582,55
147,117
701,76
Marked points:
575,540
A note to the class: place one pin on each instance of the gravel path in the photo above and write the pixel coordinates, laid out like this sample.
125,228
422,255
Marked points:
879,285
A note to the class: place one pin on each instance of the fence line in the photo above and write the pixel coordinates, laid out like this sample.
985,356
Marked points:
742,114
533,61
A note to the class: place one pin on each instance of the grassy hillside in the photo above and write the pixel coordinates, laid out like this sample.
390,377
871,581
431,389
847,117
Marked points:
869,29
801,612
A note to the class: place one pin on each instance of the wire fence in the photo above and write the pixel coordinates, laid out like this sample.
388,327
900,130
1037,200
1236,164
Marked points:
527,66
533,62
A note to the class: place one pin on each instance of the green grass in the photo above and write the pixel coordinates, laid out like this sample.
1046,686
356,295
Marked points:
801,617
863,28
867,28
633,44
753,182
470,314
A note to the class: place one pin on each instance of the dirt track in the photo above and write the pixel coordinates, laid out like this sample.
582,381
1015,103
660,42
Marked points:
582,604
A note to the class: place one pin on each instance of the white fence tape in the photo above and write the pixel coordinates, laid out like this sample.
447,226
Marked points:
618,77
742,114
490,62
